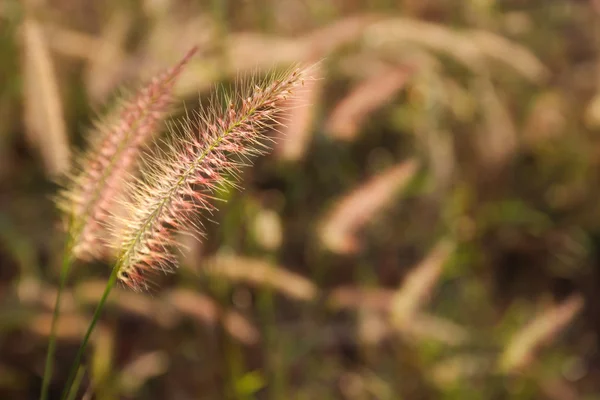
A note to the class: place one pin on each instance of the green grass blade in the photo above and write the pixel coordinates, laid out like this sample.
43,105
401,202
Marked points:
76,383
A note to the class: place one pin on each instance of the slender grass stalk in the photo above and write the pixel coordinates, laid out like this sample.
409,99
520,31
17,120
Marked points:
77,362
78,378
64,273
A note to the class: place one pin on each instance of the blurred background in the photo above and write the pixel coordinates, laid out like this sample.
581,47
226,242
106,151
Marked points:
428,227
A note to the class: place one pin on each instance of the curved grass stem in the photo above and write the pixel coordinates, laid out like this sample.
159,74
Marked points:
76,384
75,367
49,365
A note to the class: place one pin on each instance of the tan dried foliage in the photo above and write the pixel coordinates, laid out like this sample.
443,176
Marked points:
470,48
72,43
377,322
246,52
419,283
206,310
348,116
521,349
44,118
250,50
394,32
323,41
510,53
262,274
338,230
374,327
172,33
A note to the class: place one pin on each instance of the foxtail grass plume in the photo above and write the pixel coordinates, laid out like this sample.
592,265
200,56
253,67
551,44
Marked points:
111,157
349,115
340,228
542,329
206,154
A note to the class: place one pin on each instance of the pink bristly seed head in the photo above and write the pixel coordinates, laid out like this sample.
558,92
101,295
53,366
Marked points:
111,158
206,156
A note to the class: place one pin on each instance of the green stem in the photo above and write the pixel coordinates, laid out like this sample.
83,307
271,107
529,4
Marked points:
76,384
109,285
64,273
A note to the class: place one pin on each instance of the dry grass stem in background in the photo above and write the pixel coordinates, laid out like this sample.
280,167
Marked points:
110,160
205,156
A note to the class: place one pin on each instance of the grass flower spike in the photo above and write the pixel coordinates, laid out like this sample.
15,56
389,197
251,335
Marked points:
205,155
112,154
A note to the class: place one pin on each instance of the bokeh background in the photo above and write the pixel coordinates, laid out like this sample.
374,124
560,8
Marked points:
427,227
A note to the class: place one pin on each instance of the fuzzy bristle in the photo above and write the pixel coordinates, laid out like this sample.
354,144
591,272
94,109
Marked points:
206,154
110,160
